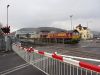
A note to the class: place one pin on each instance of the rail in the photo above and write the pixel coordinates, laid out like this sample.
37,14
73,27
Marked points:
54,64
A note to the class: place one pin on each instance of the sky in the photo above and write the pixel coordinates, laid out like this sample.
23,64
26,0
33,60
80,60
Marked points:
51,13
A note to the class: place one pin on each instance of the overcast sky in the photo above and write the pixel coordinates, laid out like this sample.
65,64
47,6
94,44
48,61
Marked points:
52,13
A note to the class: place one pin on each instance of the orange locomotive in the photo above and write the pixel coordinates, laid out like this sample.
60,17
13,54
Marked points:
68,37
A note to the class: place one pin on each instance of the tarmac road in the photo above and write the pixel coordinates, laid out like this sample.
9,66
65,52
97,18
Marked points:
12,64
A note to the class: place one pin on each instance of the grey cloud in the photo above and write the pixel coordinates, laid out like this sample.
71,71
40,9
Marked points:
46,12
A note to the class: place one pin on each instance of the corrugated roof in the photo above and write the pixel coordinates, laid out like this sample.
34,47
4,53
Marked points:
40,29
28,29
50,29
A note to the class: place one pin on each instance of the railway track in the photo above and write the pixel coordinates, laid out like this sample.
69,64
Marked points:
66,50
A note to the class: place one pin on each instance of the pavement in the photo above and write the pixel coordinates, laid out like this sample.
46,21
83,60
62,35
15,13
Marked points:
12,64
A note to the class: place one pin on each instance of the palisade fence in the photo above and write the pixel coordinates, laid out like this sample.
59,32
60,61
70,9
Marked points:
54,64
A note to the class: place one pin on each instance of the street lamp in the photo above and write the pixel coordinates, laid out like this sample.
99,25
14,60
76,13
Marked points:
6,36
7,14
71,20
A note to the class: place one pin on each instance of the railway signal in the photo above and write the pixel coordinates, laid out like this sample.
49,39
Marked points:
6,30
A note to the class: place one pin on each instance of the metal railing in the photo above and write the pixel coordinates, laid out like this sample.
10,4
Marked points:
53,64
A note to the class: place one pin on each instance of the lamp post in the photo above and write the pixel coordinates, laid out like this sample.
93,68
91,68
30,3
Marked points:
71,20
6,36
7,14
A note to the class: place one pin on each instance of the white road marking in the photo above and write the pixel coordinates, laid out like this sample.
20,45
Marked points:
14,69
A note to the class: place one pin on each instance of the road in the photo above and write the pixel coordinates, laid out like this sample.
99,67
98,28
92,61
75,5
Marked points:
12,64
85,49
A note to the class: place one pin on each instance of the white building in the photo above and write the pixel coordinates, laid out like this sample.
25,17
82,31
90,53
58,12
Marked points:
26,31
84,32
37,32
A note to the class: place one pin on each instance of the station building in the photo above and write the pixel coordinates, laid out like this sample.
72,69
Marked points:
37,32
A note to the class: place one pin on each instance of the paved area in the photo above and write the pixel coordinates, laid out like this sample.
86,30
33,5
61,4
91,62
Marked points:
85,49
88,52
12,64
27,71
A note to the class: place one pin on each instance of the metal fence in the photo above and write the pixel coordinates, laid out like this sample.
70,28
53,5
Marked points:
53,64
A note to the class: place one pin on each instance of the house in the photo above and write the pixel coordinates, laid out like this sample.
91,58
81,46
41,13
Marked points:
85,33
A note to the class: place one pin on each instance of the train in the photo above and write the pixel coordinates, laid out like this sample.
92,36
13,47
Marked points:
66,37
70,37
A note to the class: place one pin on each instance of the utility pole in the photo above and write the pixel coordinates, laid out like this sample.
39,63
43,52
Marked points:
71,21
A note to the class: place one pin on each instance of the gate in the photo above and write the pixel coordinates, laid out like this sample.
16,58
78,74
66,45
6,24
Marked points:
54,64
